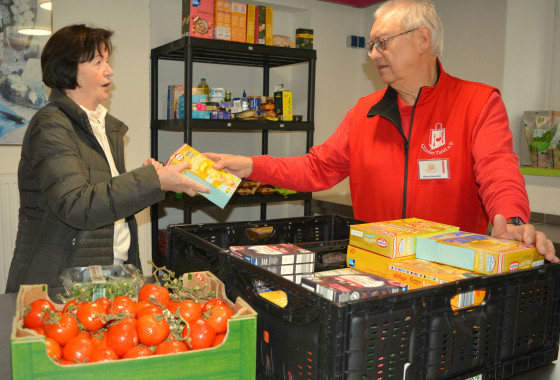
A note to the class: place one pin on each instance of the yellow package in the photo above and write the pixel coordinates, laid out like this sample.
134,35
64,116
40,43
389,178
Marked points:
370,262
394,238
222,184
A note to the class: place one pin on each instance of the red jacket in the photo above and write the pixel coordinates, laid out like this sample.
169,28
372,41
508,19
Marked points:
381,145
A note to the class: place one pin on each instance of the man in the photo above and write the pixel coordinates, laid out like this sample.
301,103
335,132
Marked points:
429,145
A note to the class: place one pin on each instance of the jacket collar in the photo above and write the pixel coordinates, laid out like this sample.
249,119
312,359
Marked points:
79,116
387,107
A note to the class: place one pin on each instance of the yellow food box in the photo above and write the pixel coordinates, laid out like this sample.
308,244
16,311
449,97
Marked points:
418,273
394,238
222,184
478,253
370,262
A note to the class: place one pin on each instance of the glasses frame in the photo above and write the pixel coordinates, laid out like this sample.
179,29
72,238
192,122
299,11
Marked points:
380,44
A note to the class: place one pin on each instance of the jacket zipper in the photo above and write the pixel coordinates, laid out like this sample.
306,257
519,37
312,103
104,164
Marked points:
406,144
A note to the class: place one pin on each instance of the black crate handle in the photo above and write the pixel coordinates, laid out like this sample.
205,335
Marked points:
301,307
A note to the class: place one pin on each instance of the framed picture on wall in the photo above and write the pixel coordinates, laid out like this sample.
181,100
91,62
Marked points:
22,91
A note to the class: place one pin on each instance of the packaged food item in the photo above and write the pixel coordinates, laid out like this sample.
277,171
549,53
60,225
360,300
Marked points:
198,18
370,262
283,104
102,281
205,88
304,38
394,238
478,253
222,184
348,284
418,273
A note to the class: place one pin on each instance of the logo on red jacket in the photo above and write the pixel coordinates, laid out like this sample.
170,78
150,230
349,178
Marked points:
437,144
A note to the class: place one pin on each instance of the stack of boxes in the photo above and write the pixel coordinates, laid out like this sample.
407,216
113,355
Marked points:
286,260
422,253
229,21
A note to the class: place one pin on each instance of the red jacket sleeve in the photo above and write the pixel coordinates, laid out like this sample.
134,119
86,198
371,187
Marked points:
323,167
496,166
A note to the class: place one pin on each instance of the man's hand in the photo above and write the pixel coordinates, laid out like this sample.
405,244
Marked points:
525,233
240,166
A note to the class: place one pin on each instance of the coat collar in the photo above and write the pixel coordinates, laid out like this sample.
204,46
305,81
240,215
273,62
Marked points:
387,107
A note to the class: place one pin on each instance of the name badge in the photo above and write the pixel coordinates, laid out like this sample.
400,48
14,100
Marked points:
433,169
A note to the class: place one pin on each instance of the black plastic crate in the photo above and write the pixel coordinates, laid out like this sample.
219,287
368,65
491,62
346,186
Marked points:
188,249
410,335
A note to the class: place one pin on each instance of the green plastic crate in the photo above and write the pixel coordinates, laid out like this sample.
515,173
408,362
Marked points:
234,359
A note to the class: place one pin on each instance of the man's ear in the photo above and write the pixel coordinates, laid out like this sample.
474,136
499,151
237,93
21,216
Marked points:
424,39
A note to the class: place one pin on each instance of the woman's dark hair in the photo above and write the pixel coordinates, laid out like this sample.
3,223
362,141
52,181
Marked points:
66,48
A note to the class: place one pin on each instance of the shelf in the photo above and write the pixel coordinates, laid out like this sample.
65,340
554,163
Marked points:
232,53
229,125
200,201
540,172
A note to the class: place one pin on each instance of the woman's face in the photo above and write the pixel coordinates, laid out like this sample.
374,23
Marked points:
93,81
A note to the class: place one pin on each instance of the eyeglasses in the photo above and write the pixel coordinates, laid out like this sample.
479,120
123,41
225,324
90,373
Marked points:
381,43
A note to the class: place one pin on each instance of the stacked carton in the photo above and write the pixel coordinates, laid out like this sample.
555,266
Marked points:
228,20
286,260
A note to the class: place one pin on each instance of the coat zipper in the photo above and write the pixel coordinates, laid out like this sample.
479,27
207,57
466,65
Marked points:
406,144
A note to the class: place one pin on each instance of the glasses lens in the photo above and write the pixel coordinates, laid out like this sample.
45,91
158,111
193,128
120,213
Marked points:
379,44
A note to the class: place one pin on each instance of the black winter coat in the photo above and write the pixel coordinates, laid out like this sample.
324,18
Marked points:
68,199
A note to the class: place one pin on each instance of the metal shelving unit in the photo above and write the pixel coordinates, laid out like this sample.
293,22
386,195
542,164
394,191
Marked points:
195,50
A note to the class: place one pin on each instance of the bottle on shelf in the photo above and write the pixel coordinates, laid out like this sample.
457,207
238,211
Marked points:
205,88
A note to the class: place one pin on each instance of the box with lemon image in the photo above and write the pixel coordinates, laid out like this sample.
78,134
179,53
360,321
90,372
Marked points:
222,184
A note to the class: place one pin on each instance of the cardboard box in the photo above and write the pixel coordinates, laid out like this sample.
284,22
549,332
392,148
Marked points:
370,262
304,38
261,24
198,18
394,238
342,285
237,355
478,253
174,93
242,27
418,273
273,254
269,26
251,24
221,21
283,105
222,184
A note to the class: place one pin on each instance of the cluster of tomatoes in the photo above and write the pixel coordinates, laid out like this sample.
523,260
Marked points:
123,328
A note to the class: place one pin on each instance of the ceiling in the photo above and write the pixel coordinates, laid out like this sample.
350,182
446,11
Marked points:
355,3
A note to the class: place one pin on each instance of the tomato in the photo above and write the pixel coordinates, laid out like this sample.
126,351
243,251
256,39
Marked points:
170,347
121,337
71,307
123,305
219,339
34,313
92,315
212,304
105,302
61,327
152,330
201,334
138,352
53,348
151,309
99,338
65,362
155,293
189,311
39,330
102,355
172,307
219,318
78,349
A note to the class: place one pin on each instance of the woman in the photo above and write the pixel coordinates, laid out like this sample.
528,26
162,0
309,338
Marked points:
77,202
